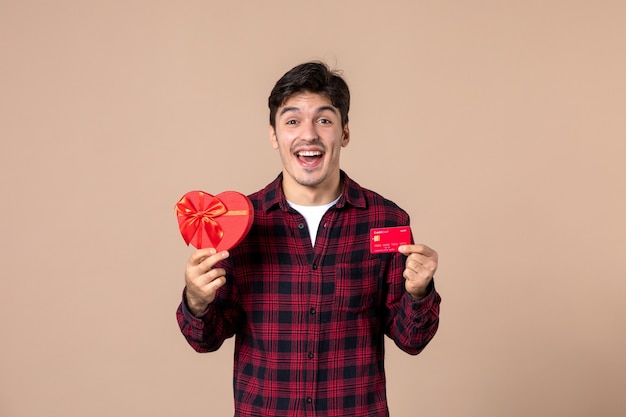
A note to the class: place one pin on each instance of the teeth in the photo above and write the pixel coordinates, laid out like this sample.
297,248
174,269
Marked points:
309,153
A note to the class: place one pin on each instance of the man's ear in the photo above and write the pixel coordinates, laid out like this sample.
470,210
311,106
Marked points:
273,140
346,135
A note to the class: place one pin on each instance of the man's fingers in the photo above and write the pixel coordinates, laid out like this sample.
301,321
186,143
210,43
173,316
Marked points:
201,289
210,276
215,284
208,262
202,261
417,248
203,279
200,255
421,263
417,260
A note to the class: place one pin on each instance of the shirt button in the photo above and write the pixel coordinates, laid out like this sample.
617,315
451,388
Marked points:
301,226
314,266
311,355
312,311
309,400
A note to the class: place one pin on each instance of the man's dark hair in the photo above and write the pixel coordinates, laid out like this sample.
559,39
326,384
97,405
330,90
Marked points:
313,77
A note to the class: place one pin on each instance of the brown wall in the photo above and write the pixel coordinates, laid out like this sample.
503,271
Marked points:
499,125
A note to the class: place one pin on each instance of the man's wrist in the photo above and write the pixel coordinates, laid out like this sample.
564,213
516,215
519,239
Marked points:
423,293
197,309
420,296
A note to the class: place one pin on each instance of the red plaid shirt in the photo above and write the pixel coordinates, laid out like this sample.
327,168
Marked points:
310,321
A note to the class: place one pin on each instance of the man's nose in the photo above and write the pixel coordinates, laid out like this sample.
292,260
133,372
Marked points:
309,131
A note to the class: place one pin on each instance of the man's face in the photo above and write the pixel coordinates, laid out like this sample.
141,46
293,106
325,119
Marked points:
309,138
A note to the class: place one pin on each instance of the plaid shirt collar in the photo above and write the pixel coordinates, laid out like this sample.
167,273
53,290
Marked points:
273,195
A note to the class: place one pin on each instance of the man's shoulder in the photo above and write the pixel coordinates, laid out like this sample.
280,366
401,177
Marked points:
267,196
376,199
373,200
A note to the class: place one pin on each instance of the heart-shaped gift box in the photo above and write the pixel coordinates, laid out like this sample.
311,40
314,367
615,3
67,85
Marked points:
220,222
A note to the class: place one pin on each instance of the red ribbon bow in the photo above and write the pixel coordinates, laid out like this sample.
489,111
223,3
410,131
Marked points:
197,218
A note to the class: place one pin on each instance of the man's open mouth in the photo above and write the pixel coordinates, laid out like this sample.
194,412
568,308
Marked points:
309,158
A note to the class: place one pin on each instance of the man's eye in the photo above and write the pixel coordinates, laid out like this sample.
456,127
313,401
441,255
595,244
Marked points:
324,121
291,122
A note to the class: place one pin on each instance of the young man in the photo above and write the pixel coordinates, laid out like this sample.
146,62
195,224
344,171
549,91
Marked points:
306,300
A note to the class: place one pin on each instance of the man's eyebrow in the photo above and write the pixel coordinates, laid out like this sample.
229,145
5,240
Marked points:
298,110
331,108
289,109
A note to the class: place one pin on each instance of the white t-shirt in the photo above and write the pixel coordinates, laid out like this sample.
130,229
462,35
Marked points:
313,215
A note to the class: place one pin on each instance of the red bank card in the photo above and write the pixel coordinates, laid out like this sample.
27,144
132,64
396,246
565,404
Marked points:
387,239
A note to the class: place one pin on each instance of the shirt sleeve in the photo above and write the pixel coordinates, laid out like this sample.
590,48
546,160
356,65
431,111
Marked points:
411,323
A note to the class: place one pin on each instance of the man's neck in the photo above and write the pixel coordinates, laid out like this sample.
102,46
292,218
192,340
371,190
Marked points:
319,195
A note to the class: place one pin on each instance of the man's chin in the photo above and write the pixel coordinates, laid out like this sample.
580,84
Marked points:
309,181
310,177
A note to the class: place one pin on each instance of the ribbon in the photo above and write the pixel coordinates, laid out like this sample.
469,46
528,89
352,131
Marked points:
197,218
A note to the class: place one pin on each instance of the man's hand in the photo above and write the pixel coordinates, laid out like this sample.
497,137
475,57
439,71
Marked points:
202,279
421,264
